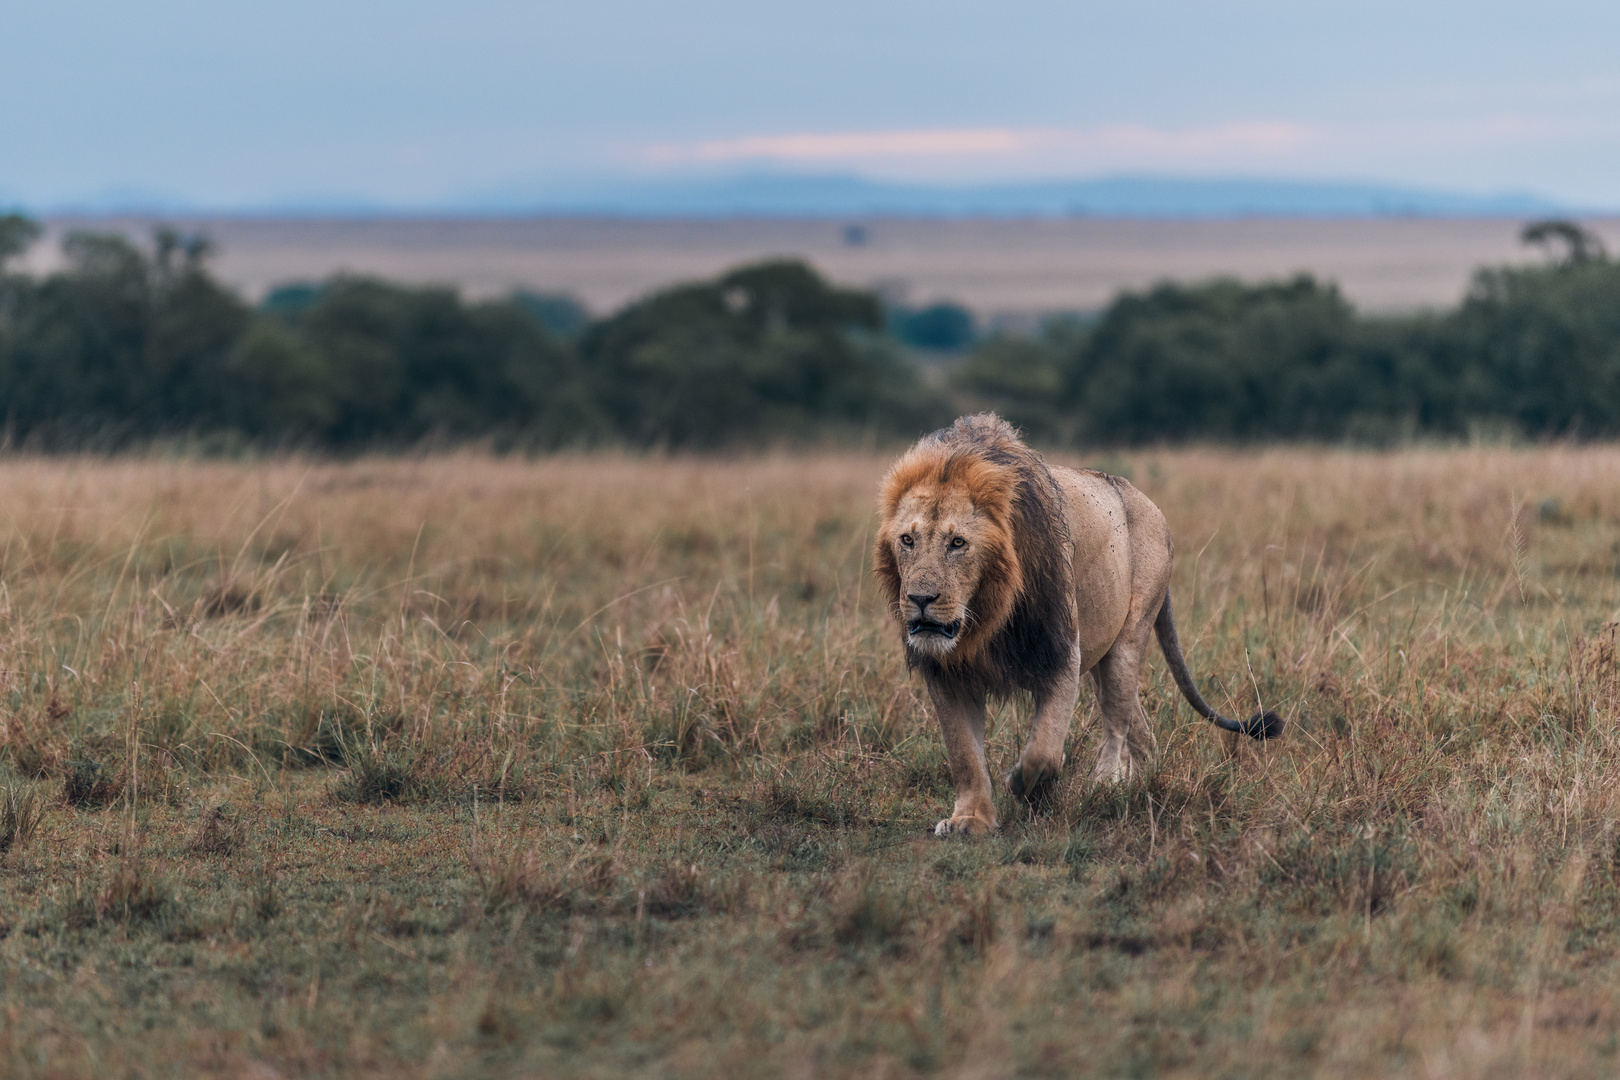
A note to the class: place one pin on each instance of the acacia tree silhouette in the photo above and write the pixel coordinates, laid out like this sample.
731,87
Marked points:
1580,245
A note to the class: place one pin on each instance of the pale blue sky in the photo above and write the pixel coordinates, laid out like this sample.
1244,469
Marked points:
419,104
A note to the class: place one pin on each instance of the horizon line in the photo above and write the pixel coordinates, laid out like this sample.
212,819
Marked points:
774,194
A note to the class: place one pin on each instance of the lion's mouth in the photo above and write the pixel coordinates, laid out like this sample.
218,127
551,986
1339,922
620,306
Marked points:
929,626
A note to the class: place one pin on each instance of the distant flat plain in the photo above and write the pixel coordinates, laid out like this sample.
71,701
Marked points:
998,267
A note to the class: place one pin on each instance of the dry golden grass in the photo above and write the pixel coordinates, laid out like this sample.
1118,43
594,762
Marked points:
463,766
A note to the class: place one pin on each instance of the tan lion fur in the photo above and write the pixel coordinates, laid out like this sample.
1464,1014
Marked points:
1008,574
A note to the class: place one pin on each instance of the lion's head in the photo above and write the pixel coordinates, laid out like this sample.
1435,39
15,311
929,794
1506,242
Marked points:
948,547
972,555
945,549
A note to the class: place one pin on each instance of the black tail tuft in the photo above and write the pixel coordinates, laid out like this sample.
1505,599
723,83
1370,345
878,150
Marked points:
1263,725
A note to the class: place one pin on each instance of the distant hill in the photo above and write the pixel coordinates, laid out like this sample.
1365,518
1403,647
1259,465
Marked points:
778,195
789,195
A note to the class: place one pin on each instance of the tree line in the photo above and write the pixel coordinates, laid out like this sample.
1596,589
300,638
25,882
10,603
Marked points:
1532,351
129,343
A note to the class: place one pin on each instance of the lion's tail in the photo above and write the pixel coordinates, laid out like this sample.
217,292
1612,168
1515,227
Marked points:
1262,725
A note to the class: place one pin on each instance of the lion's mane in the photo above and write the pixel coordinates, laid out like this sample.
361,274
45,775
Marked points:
1021,626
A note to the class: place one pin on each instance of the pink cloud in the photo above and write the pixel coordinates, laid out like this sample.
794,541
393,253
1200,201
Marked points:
1110,144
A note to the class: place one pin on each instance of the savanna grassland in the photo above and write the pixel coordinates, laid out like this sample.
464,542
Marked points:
601,766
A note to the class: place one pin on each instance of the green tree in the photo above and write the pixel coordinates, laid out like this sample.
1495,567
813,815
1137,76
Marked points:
764,352
120,344
394,364
1220,359
1022,378
1543,346
942,327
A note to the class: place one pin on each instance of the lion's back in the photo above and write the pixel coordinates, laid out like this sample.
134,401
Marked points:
1121,552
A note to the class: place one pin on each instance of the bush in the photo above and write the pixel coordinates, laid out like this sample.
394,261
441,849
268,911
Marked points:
1542,346
1021,378
120,344
765,352
1220,360
943,327
364,361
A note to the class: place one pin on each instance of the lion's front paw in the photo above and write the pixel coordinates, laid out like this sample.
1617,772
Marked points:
965,825
1030,777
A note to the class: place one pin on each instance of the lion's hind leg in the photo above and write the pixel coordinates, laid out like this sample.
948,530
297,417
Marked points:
1129,745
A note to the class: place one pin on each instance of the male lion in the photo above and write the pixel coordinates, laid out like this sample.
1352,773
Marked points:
1009,574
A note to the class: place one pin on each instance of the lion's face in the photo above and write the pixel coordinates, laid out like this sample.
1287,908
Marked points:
939,549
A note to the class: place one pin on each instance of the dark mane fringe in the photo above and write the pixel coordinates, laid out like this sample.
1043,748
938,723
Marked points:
1031,649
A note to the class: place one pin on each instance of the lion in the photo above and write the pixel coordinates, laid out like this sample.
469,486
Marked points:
1007,574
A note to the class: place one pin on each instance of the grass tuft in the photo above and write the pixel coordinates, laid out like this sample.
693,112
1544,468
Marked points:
21,811
875,914
86,785
519,879
378,772
679,890
135,892
220,833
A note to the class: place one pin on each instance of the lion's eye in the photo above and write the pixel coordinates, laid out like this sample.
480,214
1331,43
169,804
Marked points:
905,538
958,542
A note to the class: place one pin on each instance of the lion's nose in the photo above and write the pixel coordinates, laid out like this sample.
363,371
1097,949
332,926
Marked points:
922,602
